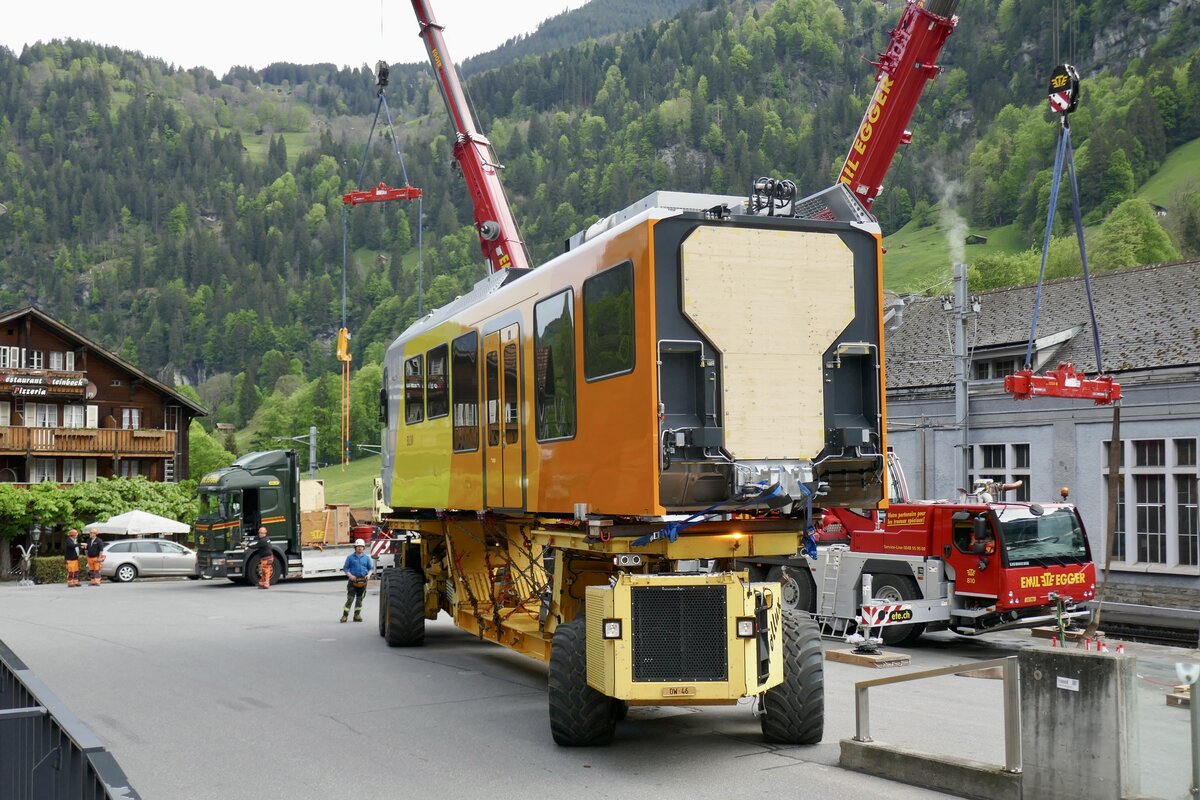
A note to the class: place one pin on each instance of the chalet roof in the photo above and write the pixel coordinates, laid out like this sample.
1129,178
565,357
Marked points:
1148,317
70,334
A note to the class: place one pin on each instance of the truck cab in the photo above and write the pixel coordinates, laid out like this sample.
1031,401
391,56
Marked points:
257,490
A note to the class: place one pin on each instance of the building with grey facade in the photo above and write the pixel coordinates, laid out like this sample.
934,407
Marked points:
1149,320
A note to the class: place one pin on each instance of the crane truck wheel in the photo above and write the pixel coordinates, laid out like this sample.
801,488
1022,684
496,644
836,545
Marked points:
579,715
794,711
402,604
797,585
897,589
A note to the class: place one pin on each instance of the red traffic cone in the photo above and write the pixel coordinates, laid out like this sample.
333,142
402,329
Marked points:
1103,646
1120,648
1054,641
1087,644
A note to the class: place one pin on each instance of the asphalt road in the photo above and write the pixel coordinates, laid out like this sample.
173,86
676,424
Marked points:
211,690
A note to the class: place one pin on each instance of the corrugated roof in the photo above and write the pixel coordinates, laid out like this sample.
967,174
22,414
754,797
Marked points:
1148,317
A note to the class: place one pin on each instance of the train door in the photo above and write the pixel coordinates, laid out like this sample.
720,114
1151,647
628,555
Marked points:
503,452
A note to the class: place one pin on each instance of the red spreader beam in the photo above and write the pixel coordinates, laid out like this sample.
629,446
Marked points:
1062,382
380,194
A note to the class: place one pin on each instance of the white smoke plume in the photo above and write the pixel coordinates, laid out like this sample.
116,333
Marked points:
954,226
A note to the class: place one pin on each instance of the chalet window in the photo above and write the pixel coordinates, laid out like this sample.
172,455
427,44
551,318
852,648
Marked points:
1158,504
41,415
72,470
70,361
5,413
414,390
437,390
131,418
56,361
34,359
464,391
128,468
44,469
10,358
74,416
608,322
554,366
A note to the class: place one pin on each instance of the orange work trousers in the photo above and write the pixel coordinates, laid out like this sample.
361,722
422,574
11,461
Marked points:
264,573
73,572
94,569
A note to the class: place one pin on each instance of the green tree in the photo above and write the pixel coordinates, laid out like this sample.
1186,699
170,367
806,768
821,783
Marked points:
1131,236
205,453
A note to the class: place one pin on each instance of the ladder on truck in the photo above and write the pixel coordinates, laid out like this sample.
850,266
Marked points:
832,626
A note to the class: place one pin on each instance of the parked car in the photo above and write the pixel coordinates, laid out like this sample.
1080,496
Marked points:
126,559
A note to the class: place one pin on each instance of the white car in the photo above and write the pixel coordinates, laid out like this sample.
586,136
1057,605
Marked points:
126,559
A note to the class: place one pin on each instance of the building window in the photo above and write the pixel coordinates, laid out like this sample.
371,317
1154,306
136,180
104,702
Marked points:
34,359
74,417
608,322
1161,528
994,368
129,468
437,390
10,358
1002,463
56,361
131,418
44,470
414,390
72,470
554,366
464,391
41,415
70,365
5,413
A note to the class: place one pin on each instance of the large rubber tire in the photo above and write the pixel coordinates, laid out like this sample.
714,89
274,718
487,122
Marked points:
402,601
579,715
794,711
897,589
252,572
799,593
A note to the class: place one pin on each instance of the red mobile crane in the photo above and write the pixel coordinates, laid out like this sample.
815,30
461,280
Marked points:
499,237
904,69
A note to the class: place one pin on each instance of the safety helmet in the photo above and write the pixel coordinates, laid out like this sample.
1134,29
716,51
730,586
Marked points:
359,543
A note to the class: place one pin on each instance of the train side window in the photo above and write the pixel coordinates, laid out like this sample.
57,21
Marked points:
437,391
414,390
383,398
554,366
464,392
608,322
491,369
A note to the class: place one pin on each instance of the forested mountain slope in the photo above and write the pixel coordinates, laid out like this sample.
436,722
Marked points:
195,223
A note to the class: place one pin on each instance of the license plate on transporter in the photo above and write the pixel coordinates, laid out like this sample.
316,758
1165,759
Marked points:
679,691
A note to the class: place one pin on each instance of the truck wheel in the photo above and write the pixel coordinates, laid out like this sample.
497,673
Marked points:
897,589
253,572
798,591
794,711
579,715
402,598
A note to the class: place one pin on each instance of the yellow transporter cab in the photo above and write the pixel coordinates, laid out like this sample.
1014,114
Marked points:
677,354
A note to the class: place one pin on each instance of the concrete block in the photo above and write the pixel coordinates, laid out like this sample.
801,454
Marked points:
877,660
958,776
1079,724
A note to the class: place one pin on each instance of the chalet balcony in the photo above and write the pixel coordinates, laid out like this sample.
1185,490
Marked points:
96,442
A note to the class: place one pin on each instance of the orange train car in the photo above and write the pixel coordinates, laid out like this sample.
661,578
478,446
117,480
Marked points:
678,356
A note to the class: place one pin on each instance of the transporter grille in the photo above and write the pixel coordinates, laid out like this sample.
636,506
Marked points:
680,633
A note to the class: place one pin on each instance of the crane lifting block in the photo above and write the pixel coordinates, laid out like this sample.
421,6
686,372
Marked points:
380,194
1062,382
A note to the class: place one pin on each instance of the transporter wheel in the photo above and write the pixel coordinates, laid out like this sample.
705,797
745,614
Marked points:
620,709
799,594
579,715
794,711
402,605
897,589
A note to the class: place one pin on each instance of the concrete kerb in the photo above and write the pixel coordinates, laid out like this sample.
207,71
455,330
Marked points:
943,773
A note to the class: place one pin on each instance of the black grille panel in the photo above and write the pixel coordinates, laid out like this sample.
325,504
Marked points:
679,633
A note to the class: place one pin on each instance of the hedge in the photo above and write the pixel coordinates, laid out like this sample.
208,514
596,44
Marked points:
49,569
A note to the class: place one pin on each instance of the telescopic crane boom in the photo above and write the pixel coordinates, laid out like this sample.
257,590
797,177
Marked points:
499,238
904,68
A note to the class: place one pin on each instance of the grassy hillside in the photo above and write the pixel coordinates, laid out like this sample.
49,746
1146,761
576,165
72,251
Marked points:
352,485
1181,168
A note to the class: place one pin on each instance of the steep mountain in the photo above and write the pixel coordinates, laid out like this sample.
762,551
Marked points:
195,224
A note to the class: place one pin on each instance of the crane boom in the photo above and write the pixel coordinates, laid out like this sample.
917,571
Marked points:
499,237
904,69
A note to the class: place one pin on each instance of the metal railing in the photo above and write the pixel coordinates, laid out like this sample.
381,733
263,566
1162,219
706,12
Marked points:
46,752
1012,702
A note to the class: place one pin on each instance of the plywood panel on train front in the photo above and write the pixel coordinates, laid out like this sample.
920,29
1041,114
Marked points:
772,302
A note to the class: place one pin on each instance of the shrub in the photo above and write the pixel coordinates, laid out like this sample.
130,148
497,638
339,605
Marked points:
49,569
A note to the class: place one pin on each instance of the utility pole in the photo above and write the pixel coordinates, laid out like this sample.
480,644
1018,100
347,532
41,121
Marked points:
962,308
312,453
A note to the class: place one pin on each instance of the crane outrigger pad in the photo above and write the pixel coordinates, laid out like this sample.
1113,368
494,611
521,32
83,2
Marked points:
1062,382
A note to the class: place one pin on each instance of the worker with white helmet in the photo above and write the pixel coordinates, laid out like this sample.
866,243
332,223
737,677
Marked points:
358,568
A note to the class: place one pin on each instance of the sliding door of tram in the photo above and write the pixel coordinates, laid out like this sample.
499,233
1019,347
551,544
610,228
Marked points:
504,463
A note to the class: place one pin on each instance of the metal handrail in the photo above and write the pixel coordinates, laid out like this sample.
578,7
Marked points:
1012,702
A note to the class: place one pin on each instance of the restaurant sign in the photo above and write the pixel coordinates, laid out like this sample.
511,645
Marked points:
24,385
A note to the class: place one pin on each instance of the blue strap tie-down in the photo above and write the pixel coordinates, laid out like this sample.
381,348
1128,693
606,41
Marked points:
671,530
